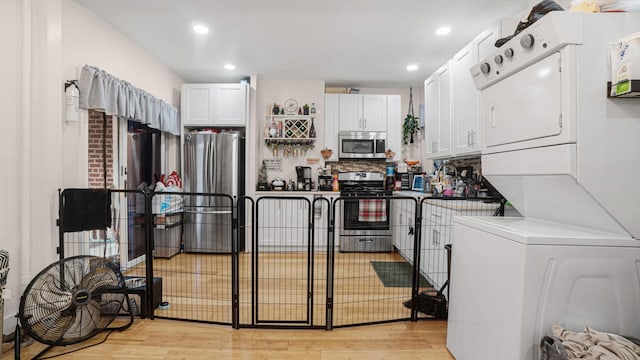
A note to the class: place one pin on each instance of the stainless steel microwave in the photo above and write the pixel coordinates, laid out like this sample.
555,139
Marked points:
362,144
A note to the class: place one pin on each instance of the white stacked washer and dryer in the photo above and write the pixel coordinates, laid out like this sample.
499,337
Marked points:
568,158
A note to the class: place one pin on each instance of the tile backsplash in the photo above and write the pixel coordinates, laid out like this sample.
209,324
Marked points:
357,165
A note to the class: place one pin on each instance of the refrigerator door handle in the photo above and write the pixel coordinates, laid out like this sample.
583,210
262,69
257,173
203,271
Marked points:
211,165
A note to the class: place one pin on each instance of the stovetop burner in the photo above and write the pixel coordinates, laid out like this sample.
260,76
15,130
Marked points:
360,183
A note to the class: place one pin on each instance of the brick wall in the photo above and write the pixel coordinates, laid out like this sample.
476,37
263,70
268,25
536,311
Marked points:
96,171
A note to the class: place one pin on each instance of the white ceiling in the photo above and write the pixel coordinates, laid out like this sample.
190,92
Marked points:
350,43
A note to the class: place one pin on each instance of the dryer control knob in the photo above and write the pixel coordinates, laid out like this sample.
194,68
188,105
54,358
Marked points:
498,59
485,68
508,53
527,41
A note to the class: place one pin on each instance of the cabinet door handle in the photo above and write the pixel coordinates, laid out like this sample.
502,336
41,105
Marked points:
473,140
468,138
365,124
436,215
435,237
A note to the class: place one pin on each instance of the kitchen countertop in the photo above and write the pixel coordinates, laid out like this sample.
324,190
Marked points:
417,194
460,204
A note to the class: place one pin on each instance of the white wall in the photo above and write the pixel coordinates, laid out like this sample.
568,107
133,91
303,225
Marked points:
269,91
11,155
87,39
43,44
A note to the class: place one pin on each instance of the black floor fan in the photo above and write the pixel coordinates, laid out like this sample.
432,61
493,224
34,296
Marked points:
71,301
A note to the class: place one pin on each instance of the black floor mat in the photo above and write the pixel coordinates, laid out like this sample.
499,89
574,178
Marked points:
396,273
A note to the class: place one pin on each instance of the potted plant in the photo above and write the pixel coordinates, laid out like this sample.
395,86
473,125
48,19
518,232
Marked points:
411,123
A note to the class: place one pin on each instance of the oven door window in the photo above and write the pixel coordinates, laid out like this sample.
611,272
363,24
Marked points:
533,108
354,146
352,217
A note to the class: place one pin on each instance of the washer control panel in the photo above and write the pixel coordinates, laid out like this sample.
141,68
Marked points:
548,35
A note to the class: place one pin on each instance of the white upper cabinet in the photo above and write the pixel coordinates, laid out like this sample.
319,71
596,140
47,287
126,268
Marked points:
438,113
374,112
466,109
214,104
431,114
355,112
362,112
452,102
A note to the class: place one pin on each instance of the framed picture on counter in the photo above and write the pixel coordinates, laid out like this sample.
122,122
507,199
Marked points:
418,184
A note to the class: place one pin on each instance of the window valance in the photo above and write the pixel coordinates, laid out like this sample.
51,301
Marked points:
102,91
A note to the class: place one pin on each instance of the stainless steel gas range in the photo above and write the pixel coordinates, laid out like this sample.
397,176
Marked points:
365,213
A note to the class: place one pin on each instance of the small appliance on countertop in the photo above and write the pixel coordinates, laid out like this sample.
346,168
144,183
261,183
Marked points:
325,183
304,178
278,185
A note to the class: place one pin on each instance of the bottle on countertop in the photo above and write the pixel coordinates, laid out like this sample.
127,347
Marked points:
334,184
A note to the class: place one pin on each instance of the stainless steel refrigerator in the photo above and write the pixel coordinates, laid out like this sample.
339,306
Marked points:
213,164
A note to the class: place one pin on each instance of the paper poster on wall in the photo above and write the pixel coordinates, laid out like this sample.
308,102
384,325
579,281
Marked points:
273,164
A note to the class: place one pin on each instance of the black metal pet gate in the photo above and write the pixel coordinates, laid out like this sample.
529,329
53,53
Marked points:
278,261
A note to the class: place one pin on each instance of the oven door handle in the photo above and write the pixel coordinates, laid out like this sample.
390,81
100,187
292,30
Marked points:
367,240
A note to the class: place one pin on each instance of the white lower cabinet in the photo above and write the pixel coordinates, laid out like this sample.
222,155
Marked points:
437,231
403,227
283,223
320,216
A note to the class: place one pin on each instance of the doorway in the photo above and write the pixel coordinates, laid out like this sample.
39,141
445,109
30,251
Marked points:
143,171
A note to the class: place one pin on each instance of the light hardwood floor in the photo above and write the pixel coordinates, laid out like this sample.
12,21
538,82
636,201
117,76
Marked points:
198,288
173,340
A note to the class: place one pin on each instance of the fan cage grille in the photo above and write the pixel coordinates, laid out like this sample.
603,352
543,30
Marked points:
52,309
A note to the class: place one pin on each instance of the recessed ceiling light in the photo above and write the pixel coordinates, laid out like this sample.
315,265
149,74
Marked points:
443,31
412,67
200,29
229,66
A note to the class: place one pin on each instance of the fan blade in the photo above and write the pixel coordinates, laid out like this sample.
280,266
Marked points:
46,294
98,278
87,320
50,326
